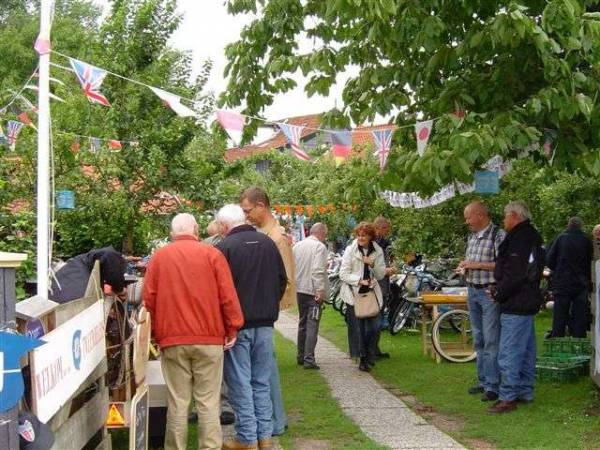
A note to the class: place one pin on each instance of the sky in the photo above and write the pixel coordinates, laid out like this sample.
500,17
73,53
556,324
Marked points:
206,29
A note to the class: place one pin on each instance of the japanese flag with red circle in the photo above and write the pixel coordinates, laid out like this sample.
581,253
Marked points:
423,131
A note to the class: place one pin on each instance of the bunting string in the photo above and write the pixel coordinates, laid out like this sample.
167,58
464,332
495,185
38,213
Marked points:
247,116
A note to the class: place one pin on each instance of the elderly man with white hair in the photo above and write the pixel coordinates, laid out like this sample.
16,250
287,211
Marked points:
518,271
312,286
260,281
196,314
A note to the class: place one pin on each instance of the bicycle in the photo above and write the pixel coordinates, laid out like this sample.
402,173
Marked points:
452,338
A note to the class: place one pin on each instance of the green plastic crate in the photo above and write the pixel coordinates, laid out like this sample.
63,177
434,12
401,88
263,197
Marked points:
566,359
574,346
558,371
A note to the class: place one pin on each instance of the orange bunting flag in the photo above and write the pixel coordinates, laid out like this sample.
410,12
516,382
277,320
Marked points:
331,207
75,146
322,209
277,209
288,210
309,210
299,209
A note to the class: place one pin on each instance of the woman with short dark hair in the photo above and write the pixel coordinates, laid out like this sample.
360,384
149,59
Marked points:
362,266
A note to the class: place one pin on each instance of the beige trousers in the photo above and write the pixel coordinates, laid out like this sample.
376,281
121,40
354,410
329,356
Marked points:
193,371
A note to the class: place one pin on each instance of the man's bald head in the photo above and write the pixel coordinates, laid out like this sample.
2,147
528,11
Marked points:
477,216
319,230
596,232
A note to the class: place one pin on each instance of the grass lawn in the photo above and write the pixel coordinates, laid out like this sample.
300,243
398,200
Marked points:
563,416
315,419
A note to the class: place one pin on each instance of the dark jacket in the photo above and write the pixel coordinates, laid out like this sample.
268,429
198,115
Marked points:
74,275
514,291
570,259
258,274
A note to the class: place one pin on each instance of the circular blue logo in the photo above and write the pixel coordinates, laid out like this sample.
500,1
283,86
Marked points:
76,347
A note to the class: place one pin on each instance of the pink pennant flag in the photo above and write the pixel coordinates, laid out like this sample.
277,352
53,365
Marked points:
114,144
423,131
233,123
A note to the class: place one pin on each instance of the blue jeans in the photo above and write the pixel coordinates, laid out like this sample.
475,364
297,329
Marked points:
279,417
485,326
247,371
517,357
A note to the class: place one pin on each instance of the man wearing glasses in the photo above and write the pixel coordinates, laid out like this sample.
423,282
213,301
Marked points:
257,208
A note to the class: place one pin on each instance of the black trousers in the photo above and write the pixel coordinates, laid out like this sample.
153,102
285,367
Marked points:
570,311
308,327
362,335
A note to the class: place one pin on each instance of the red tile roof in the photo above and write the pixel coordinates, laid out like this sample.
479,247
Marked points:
361,136
278,140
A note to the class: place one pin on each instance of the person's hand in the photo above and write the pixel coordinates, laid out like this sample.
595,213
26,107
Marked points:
368,260
389,271
319,297
364,282
229,342
465,264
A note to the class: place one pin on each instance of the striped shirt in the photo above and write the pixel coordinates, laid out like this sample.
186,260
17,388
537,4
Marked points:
482,247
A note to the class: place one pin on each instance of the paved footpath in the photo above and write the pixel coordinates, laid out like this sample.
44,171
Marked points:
381,415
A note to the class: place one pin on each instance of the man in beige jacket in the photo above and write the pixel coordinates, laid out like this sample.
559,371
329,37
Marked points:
257,208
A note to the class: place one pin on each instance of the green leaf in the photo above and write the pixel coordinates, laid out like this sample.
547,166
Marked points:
586,105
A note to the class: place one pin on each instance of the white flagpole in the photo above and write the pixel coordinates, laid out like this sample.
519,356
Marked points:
43,162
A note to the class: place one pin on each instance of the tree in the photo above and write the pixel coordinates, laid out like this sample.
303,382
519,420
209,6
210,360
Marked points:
495,74
133,40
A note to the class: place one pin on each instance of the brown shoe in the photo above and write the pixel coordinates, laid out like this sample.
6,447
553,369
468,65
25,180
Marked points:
237,445
265,443
502,406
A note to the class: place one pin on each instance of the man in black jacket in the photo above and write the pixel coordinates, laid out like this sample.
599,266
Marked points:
570,259
260,281
72,279
518,270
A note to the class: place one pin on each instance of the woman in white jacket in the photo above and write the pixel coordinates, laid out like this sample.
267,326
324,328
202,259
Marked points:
362,266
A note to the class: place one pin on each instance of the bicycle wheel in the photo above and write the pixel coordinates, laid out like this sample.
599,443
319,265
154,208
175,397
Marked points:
400,317
450,345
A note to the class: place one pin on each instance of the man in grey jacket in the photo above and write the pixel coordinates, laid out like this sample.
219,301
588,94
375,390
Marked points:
312,287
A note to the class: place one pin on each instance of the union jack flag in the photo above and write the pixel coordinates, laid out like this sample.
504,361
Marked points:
293,133
91,79
14,128
383,142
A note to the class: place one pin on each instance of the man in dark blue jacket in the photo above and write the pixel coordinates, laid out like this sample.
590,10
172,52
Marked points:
518,271
570,259
260,280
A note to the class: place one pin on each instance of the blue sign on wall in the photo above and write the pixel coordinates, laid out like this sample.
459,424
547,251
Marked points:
12,347
65,199
487,182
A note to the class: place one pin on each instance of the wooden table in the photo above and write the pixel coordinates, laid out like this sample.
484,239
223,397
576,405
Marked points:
429,304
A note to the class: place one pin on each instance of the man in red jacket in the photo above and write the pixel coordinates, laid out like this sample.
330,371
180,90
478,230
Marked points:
196,313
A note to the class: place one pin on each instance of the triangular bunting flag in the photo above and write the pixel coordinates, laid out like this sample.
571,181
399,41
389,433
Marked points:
91,79
383,143
134,144
75,145
293,133
423,131
3,140
115,145
341,145
22,115
174,102
14,128
233,123
95,144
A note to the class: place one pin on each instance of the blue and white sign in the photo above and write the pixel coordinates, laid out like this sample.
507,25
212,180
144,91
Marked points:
72,352
487,182
12,347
